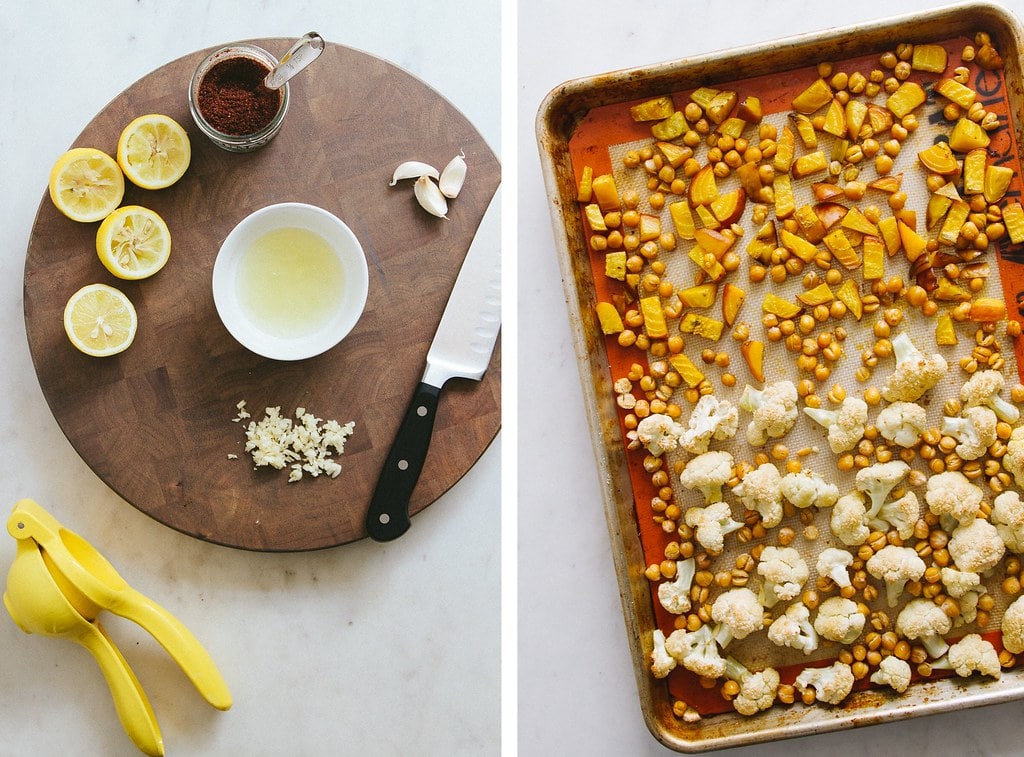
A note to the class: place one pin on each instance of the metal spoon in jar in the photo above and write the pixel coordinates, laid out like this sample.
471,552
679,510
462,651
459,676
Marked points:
306,50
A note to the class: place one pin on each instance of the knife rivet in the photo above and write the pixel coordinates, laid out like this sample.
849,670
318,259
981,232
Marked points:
421,411
403,464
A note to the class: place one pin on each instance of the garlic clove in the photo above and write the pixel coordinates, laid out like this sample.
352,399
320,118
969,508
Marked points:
430,197
453,176
413,169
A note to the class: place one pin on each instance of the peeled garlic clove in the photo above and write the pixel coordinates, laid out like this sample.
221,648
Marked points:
453,176
413,169
430,197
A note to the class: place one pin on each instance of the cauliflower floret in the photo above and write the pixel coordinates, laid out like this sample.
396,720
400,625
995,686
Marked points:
972,654
1013,626
1013,460
900,515
915,372
845,425
711,419
966,588
760,490
675,595
968,609
849,520
902,423
983,388
924,620
708,472
839,619
833,563
952,497
805,488
659,433
793,629
975,431
774,411
892,672
960,582
1008,518
662,663
757,690
784,572
878,481
737,614
895,566
976,547
696,651
711,525
831,684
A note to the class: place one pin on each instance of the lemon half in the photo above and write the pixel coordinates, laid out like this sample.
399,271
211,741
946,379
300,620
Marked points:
100,320
86,184
133,242
154,151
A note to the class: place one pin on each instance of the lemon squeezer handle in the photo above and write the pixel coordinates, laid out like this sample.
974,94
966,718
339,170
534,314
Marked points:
178,642
133,707
92,584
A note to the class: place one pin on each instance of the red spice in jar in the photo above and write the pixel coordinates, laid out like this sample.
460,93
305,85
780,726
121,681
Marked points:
233,99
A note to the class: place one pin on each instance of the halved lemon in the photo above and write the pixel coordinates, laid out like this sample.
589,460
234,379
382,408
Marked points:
100,320
133,242
154,151
86,184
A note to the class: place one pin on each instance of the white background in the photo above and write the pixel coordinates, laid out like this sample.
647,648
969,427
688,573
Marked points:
577,693
364,649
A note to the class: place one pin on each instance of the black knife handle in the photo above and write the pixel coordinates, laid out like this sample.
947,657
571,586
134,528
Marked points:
388,516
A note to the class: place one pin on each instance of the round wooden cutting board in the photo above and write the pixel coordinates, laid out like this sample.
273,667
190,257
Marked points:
155,422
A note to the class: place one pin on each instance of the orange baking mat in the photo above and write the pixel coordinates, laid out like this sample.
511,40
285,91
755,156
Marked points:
593,144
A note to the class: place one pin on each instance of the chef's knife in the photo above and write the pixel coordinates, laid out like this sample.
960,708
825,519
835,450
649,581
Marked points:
461,348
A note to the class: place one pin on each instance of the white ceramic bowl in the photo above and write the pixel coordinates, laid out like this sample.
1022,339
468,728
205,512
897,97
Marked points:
270,327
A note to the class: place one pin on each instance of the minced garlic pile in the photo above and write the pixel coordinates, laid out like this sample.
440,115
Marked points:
304,445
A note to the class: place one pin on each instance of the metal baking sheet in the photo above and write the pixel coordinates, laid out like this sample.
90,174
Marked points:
563,120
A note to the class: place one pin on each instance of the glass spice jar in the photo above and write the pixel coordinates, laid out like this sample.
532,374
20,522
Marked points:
229,102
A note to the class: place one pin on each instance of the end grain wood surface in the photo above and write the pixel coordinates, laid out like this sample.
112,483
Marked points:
155,423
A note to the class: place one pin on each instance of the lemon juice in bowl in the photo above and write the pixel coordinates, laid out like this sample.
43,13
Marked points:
288,282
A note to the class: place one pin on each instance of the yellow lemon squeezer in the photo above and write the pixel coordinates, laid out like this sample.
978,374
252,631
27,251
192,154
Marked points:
57,586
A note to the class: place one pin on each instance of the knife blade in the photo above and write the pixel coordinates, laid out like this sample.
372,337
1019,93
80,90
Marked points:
461,348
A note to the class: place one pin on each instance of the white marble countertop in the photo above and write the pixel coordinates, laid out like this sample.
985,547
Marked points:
577,693
362,649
